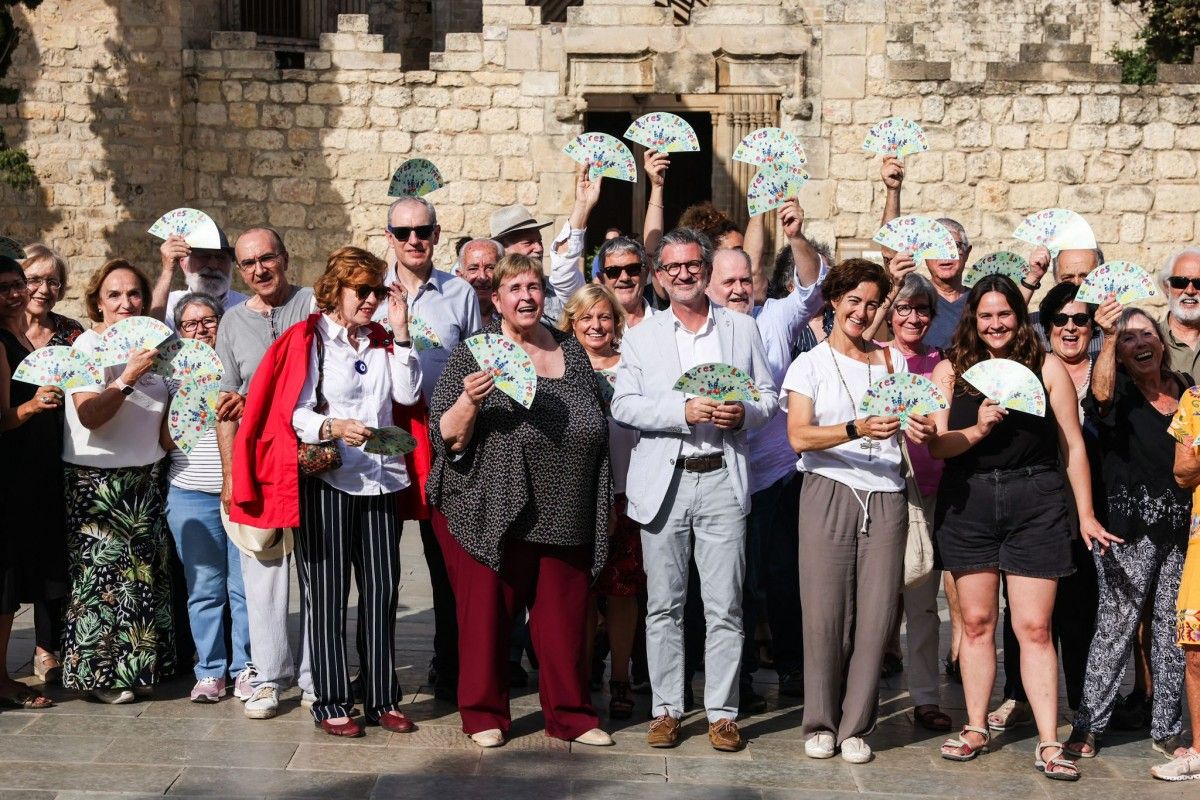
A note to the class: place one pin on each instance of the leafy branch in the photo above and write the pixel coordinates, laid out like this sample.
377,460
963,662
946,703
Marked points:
15,169
1170,36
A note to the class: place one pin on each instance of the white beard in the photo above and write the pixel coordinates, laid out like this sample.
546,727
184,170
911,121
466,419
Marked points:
212,285
1184,314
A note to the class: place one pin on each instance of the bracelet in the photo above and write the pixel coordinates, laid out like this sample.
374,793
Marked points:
1033,287
326,432
407,343
656,205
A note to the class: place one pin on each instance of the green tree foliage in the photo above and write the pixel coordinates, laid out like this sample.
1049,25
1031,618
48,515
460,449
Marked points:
15,169
1170,36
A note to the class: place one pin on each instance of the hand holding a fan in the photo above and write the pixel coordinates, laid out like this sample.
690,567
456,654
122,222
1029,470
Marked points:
990,415
656,165
729,416
1108,315
877,427
892,173
1039,264
477,386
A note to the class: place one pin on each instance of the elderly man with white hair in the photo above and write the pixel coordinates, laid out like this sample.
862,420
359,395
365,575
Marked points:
476,260
206,271
1180,278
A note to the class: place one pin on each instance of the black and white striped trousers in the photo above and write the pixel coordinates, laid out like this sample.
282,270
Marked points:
338,531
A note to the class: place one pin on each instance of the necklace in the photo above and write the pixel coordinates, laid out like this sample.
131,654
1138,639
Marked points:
865,443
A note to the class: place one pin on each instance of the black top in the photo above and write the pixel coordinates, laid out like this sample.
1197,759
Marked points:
1018,440
1138,460
538,475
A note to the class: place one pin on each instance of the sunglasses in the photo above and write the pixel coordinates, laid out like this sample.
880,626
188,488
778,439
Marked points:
614,272
1080,320
1180,282
364,292
402,232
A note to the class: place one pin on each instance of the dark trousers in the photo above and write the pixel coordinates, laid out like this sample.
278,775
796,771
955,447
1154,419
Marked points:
48,623
340,531
553,582
445,623
1074,622
772,588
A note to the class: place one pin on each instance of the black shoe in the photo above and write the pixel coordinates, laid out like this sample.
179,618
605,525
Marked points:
640,686
1132,712
518,678
433,671
952,670
750,701
892,665
689,697
447,690
791,683
357,688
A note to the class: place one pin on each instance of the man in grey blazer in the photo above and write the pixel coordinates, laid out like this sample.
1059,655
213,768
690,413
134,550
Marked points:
688,477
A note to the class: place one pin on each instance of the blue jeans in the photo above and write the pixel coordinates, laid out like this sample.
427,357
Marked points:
213,570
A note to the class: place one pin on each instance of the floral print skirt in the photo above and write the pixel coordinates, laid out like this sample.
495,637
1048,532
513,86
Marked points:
119,631
623,574
1187,618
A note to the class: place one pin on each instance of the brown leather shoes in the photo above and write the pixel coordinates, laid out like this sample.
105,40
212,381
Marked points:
349,728
723,735
395,722
664,732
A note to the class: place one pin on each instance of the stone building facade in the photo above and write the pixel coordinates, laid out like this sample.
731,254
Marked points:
129,108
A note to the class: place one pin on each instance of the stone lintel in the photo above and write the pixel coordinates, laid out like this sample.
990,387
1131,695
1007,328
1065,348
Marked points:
1179,73
1049,72
1056,52
918,70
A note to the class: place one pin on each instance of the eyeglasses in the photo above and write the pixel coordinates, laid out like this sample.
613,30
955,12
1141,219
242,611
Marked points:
906,310
193,324
672,269
364,292
402,232
1180,282
1081,320
53,284
268,260
15,286
615,271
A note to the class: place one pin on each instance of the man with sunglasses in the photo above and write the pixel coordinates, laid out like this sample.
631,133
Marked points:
205,271
448,305
622,268
1180,278
246,331
1067,266
688,477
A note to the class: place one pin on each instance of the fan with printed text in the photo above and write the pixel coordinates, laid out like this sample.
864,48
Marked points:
1005,263
767,146
664,132
606,156
721,382
1057,229
923,238
416,177
508,364
1126,280
1009,384
64,367
196,228
130,335
896,136
901,395
773,186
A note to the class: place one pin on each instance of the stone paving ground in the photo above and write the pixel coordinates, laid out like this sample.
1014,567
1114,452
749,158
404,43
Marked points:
172,747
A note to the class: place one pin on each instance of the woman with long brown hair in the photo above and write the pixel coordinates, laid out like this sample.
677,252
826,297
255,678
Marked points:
1001,509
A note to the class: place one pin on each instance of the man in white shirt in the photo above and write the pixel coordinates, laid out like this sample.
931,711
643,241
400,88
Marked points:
448,306
206,271
688,476
622,268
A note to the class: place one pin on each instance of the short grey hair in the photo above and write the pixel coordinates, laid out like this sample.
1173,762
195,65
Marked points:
956,227
412,198
1054,259
197,299
744,255
475,243
685,236
38,253
618,245
915,285
1169,265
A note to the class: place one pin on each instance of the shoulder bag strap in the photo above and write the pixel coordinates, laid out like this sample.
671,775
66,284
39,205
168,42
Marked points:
322,406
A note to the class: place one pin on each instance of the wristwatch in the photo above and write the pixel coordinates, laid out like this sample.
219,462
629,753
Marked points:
851,430
125,388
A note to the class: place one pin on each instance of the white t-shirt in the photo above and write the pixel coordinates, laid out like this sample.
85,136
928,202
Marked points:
130,438
814,375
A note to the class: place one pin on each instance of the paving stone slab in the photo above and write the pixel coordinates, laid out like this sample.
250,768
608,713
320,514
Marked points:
627,790
467,787
29,775
223,783
572,766
188,752
337,758
815,774
52,749
66,724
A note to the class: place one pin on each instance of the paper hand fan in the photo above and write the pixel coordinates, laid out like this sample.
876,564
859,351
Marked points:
64,367
390,441
1126,280
508,364
607,156
606,384
901,395
1005,263
767,146
12,249
720,382
896,136
193,410
131,333
921,237
424,337
182,358
773,186
1057,229
666,133
416,177
1009,384
196,228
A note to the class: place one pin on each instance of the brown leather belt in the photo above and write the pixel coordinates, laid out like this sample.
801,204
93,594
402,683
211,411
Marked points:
700,463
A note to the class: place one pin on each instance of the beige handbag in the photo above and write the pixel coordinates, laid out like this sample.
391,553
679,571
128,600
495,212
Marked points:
918,550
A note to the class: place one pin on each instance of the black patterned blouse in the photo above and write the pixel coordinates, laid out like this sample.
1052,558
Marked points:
537,475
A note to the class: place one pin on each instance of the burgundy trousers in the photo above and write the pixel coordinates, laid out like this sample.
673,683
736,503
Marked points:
553,582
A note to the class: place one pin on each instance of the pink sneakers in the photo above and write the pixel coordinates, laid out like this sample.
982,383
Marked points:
208,690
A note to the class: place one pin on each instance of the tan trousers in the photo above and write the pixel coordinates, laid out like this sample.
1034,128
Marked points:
851,581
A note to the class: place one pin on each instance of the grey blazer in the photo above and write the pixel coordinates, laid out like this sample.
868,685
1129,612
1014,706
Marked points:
644,400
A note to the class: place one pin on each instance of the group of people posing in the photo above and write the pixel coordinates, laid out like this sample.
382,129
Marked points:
686,524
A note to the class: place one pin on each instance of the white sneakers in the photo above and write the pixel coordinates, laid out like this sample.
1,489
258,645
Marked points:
114,697
492,737
856,751
820,745
263,704
1184,768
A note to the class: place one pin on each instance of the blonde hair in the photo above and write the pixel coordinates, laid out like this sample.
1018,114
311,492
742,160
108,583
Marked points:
344,264
512,265
586,298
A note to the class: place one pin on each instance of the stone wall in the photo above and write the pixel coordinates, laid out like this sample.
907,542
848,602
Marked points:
1021,102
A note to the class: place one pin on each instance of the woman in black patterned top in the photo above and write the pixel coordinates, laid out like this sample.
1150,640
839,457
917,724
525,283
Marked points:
526,495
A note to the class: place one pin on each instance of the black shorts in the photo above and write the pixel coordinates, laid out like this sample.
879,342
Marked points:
1011,520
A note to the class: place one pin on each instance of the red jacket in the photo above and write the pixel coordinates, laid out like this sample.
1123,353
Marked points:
266,478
